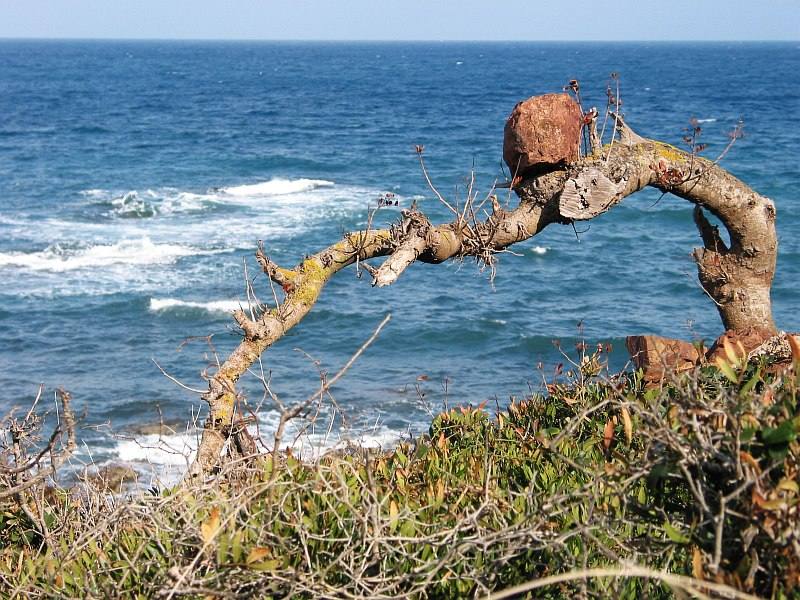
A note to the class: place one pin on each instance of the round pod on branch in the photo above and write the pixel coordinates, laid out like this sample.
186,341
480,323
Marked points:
542,133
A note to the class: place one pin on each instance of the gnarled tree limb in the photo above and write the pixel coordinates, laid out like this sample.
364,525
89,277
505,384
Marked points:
738,278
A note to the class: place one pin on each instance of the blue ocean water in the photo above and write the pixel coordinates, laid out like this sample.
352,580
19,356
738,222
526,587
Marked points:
137,177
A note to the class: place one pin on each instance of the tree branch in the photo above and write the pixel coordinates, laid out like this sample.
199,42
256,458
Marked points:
737,279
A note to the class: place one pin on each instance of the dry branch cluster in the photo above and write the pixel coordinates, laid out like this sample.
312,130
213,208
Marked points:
27,464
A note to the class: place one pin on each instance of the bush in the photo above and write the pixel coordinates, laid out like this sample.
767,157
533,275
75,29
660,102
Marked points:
696,478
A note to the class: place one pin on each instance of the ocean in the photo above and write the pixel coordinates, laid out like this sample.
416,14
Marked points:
136,179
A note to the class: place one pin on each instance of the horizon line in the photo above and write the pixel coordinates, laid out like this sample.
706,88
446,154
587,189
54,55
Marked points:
385,41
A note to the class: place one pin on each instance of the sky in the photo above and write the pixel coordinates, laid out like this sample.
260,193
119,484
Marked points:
532,20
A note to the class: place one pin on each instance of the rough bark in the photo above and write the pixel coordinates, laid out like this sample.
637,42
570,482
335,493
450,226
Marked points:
737,277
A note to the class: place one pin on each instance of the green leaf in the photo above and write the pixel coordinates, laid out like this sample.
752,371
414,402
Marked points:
223,544
407,529
674,534
750,384
726,369
236,546
782,434
266,565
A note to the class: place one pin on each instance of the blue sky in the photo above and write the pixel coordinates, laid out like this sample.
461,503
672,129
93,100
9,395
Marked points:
403,20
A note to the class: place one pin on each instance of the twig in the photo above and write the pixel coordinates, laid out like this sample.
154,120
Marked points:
430,183
695,587
175,381
291,413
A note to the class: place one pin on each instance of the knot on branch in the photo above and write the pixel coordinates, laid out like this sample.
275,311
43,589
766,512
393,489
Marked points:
413,224
479,240
589,193
280,276
411,237
252,329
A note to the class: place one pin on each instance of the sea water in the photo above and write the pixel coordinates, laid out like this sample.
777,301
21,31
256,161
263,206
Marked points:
136,179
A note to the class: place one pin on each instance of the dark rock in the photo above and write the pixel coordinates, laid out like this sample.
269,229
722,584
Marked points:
112,478
156,428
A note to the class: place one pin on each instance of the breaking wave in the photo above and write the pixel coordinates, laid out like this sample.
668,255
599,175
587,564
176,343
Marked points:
136,204
276,187
63,257
151,203
163,304
169,454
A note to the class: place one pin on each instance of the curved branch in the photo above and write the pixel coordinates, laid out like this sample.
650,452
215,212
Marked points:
737,278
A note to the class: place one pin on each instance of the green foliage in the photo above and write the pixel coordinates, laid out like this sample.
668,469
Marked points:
698,477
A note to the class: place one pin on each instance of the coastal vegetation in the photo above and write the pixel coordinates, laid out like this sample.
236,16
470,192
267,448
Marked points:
601,485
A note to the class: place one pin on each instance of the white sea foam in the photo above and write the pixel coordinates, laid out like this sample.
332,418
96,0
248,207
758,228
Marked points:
157,226
168,455
93,193
162,304
60,258
154,202
276,187
539,250
706,120
167,201
174,449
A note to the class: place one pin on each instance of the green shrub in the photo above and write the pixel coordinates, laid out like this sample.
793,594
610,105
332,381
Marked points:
698,477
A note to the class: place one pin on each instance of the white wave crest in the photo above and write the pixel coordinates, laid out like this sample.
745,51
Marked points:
167,201
276,187
93,193
173,449
161,304
706,120
170,454
59,258
539,250
149,203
